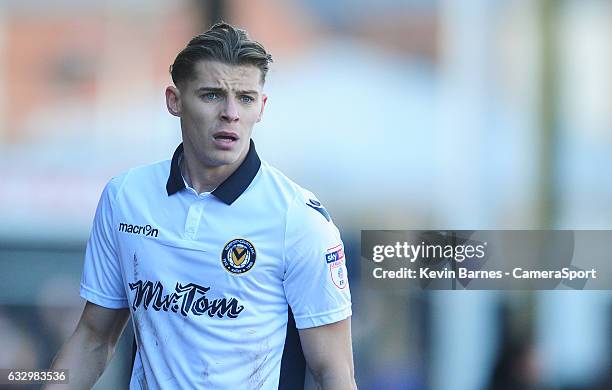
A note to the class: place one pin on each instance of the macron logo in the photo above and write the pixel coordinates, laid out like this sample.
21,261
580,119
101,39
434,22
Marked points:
146,230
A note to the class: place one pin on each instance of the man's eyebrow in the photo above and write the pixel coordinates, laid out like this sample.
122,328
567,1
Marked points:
209,89
248,92
221,90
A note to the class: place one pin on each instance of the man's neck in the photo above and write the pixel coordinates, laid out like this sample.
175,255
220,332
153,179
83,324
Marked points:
203,178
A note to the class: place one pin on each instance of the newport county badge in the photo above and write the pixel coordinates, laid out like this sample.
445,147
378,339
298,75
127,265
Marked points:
334,257
238,256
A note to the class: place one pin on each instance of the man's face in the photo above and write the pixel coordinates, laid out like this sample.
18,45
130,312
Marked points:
218,109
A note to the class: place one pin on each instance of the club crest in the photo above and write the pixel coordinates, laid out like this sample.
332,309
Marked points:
238,256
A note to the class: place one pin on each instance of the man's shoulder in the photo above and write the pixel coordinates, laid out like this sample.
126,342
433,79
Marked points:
283,185
143,178
279,180
302,204
148,172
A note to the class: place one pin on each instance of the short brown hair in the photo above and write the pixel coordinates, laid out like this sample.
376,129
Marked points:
224,43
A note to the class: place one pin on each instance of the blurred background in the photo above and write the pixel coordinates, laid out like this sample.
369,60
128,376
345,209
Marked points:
398,114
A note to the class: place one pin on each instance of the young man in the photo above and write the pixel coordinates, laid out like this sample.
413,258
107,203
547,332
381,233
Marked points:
207,250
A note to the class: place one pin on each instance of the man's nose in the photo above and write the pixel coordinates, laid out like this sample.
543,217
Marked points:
230,111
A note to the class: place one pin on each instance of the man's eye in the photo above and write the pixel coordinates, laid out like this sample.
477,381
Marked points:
246,99
210,96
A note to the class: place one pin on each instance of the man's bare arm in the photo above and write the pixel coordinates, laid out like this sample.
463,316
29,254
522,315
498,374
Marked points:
88,350
329,354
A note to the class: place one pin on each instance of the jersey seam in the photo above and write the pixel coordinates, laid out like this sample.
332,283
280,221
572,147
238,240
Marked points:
113,204
295,196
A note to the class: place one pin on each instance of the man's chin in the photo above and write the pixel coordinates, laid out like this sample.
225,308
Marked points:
222,158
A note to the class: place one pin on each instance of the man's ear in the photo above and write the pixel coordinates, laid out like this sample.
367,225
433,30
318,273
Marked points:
264,99
173,100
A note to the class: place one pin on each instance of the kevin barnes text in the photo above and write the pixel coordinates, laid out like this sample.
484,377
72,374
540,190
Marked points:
464,273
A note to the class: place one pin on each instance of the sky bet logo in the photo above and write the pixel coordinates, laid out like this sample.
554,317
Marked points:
334,254
337,269
146,230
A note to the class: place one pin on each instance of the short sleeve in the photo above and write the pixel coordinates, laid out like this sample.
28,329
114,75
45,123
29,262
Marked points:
101,282
315,279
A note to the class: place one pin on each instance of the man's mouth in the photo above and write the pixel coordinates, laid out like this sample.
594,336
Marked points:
225,139
225,136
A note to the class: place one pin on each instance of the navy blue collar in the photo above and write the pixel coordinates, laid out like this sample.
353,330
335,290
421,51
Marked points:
231,188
